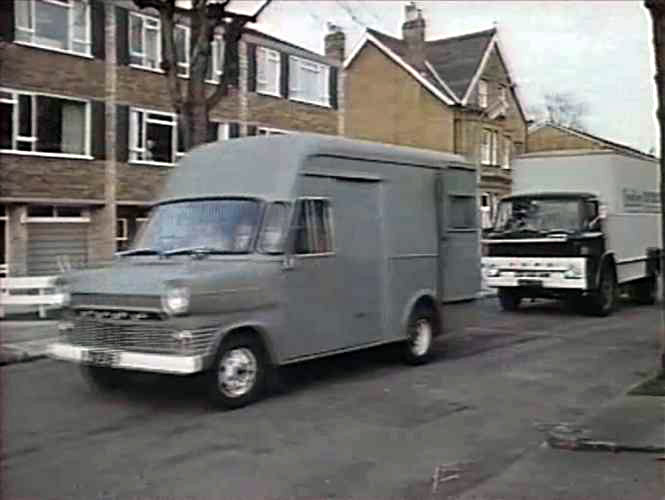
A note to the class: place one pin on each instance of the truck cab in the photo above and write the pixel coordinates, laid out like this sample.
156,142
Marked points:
546,245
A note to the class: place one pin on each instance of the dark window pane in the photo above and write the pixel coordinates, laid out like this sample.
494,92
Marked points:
301,232
49,125
159,145
25,115
51,27
6,126
40,211
69,211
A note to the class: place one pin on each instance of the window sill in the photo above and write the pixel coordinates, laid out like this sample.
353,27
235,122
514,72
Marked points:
313,103
47,155
269,94
146,68
151,163
53,49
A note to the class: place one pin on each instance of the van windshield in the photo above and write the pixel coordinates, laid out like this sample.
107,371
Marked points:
541,215
216,226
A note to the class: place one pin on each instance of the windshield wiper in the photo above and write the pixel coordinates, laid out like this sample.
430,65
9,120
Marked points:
202,250
140,251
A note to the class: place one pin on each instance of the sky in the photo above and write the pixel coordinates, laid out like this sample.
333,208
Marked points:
598,51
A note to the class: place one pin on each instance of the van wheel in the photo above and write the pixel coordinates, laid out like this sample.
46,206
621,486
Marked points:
509,299
603,302
238,374
644,292
102,378
421,330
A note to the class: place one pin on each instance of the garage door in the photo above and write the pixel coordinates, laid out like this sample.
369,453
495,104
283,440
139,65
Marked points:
47,242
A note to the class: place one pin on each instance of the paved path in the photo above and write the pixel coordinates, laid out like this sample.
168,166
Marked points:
360,425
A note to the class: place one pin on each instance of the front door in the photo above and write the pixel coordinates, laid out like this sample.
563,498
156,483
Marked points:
460,246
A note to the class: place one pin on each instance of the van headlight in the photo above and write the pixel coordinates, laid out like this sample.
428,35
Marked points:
574,271
175,300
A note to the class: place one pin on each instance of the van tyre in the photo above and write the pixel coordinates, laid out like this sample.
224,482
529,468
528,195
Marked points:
102,378
644,292
509,299
604,301
422,328
238,375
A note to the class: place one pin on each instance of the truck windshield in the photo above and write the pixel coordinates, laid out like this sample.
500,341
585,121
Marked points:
542,215
217,226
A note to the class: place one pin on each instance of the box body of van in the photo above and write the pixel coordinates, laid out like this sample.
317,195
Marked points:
308,245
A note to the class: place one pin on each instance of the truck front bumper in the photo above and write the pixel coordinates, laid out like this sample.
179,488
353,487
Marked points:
536,272
160,363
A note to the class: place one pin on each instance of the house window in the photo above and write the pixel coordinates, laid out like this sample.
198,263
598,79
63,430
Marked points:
267,71
145,43
153,137
62,25
507,151
313,231
482,93
63,214
489,147
216,61
462,212
308,81
182,40
271,131
41,124
121,234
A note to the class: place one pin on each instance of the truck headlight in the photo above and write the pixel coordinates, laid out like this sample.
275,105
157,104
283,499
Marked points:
175,300
493,271
574,271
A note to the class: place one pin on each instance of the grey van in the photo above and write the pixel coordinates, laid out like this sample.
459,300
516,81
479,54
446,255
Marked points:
267,251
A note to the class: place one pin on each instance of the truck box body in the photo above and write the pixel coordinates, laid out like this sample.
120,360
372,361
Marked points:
623,187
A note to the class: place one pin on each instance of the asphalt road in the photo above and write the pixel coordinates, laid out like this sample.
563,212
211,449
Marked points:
359,425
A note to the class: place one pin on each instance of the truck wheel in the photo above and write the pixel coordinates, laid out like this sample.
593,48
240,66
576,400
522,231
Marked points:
421,330
603,301
238,375
509,299
644,292
102,378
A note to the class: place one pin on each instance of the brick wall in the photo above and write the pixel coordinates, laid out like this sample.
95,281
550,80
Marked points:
384,103
552,139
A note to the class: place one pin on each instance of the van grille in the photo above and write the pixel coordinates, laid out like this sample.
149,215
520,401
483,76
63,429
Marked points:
145,336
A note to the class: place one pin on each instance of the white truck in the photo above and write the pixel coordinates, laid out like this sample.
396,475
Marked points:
579,226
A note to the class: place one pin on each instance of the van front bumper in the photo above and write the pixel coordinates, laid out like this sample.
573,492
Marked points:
111,358
545,272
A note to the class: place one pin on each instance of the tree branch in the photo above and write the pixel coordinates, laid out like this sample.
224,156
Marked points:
169,54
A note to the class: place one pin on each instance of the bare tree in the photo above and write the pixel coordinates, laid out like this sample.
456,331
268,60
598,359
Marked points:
657,10
562,108
190,97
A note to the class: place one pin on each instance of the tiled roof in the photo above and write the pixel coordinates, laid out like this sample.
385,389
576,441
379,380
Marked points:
456,59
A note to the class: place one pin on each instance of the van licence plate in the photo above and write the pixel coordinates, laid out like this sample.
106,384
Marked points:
100,358
532,283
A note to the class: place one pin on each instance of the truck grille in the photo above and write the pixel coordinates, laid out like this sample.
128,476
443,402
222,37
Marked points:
141,336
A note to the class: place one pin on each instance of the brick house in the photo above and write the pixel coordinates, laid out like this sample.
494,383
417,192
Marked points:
87,131
453,94
548,136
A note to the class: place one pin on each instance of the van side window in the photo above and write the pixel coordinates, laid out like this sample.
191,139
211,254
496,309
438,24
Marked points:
271,239
313,227
462,212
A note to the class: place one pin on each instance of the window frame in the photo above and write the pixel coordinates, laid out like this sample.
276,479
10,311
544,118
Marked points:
125,234
188,44
4,219
70,7
298,205
84,218
278,78
294,80
133,136
483,93
142,55
217,72
86,155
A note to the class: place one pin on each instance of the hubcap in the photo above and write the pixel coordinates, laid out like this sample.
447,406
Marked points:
237,372
422,337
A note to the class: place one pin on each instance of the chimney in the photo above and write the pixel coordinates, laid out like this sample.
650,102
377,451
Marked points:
413,33
334,43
